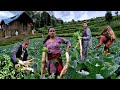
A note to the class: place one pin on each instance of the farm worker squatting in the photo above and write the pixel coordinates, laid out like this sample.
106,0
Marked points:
20,52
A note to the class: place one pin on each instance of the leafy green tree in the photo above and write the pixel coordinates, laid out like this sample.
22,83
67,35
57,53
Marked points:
116,13
36,17
53,21
108,16
59,21
45,19
116,18
73,21
30,13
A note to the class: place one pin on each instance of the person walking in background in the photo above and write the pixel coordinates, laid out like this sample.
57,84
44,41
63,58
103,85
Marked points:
53,43
107,37
86,40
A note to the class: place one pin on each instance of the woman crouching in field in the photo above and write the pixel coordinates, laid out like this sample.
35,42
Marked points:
54,63
108,37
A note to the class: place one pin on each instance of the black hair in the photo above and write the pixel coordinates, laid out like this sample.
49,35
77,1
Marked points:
25,40
48,37
85,22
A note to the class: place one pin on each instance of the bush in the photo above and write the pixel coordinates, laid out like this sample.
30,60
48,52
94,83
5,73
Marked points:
65,35
39,30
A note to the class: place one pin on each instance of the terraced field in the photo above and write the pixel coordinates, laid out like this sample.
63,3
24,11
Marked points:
96,66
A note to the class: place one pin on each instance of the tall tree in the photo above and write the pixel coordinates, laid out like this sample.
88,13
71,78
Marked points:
116,13
35,15
73,21
53,21
30,13
108,16
59,21
37,19
45,19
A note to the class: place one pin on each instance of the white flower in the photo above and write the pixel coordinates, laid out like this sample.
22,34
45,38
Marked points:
97,65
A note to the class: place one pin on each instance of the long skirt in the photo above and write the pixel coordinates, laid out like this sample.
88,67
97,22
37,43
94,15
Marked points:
54,64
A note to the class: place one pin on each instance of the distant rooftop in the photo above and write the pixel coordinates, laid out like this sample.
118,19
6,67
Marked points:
8,20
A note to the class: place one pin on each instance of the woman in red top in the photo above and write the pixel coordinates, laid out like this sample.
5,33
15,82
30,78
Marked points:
107,38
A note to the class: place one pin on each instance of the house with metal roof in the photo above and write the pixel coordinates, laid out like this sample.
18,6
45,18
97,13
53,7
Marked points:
21,23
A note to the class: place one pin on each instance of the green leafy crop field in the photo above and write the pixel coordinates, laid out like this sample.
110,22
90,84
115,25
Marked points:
96,66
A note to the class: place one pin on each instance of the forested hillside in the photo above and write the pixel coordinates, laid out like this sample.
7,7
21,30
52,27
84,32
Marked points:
44,19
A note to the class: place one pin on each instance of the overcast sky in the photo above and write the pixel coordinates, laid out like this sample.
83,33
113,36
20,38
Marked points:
64,15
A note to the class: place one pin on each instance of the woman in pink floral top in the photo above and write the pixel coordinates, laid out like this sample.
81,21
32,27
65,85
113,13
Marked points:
53,44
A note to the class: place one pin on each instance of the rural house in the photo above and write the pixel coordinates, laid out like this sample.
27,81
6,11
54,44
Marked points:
20,24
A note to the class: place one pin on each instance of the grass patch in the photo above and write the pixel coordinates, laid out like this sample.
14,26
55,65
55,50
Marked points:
15,39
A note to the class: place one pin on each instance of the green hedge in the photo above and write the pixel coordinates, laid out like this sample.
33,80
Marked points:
65,35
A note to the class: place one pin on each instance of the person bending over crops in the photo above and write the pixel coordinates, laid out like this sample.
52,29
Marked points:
53,43
86,40
19,53
107,37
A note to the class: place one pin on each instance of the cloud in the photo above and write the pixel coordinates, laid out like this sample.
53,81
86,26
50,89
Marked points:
64,15
69,15
5,14
16,12
79,15
84,16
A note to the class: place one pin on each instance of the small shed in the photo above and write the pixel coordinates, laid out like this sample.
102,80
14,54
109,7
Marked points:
21,23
